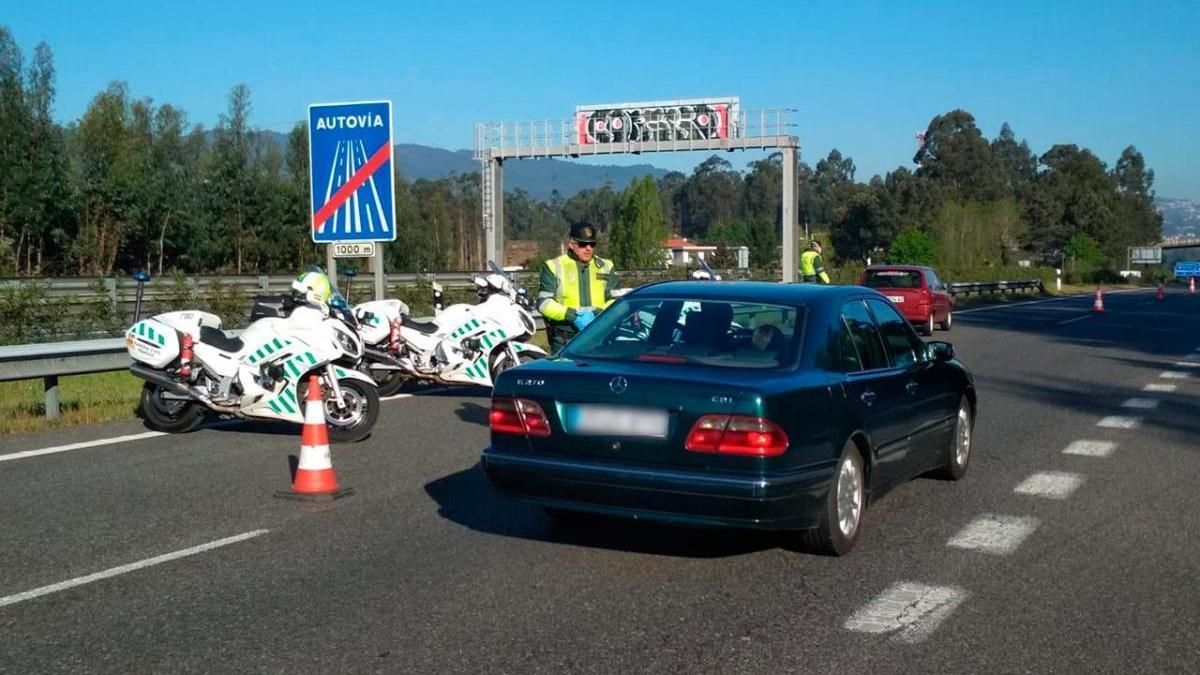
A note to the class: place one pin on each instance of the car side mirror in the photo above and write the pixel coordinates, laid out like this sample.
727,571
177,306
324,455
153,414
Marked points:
941,351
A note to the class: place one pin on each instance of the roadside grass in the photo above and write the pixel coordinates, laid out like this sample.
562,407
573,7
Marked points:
84,399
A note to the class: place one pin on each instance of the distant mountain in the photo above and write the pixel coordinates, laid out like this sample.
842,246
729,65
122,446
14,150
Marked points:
538,177
1181,217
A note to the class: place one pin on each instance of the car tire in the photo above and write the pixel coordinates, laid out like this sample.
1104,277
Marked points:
172,417
845,504
958,452
945,325
927,327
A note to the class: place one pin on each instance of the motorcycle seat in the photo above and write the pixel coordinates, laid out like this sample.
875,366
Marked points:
425,328
218,339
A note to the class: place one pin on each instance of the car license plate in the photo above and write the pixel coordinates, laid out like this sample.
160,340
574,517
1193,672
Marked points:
898,299
602,420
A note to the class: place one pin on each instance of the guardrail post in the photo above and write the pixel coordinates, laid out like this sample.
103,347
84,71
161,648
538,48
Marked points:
264,283
111,284
51,382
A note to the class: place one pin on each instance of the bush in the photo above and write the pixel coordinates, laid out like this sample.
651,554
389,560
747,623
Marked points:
29,315
913,247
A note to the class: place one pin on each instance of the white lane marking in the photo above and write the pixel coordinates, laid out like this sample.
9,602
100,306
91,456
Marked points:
84,445
1040,302
1186,364
991,533
80,446
1173,375
1165,388
1141,403
125,569
1120,422
1090,448
913,611
1078,318
1050,484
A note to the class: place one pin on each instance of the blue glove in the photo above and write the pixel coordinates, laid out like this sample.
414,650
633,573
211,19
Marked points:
582,319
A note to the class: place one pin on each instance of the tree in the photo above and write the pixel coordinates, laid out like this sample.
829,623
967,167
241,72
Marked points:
711,195
1018,164
860,227
913,247
831,185
640,228
956,155
231,174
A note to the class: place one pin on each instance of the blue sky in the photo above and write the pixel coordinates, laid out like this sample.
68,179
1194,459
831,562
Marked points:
864,77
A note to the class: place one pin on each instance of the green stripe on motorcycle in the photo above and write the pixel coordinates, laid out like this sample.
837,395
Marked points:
269,348
278,344
291,367
474,323
160,339
311,359
287,405
290,394
487,342
274,406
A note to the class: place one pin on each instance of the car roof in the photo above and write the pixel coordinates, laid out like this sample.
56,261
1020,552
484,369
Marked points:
906,268
749,291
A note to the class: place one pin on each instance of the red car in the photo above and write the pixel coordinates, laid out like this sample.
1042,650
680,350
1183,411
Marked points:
916,291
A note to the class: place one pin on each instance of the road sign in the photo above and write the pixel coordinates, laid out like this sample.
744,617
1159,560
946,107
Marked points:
1145,255
1187,269
350,172
354,249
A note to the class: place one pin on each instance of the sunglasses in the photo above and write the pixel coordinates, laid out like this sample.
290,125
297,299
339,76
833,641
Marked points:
586,244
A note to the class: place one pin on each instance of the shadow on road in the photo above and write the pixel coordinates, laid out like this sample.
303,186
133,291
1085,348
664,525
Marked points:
468,499
474,413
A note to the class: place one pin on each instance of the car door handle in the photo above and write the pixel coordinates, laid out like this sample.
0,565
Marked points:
911,387
867,397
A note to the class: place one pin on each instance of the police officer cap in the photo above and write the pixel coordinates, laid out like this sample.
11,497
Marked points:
583,233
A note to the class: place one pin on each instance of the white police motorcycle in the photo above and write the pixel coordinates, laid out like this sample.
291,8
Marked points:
189,365
463,344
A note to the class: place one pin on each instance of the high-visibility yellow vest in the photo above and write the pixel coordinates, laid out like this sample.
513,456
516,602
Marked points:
568,293
810,262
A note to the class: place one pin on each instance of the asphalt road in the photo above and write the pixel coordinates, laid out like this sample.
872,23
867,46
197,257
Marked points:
425,569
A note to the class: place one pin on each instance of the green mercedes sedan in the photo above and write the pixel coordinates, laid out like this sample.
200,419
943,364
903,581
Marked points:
744,404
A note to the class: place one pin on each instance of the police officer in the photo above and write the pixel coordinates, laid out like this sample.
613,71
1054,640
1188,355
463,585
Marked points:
574,287
812,268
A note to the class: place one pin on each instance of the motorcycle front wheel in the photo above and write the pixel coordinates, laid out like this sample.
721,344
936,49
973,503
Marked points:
353,420
169,415
504,361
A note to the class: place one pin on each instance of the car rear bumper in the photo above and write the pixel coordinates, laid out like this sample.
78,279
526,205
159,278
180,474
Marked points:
790,500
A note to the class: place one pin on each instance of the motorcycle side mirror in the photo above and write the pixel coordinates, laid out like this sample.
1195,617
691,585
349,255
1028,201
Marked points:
337,303
141,277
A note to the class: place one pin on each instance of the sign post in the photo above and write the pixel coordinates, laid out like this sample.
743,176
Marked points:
352,181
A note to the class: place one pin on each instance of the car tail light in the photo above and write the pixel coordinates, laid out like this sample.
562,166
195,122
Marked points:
737,435
926,297
518,416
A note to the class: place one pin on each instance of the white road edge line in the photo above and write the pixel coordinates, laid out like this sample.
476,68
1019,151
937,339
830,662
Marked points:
995,534
125,569
1090,448
1078,318
1039,302
1164,388
81,446
913,611
1173,375
1050,484
84,445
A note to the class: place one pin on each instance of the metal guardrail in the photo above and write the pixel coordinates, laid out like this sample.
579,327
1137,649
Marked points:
982,287
51,360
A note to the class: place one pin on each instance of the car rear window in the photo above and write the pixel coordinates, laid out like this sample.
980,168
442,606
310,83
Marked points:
892,279
722,333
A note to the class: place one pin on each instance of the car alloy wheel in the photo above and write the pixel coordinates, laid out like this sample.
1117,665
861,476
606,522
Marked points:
962,437
849,497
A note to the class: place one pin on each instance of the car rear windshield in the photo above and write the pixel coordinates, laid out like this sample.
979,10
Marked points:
722,333
892,279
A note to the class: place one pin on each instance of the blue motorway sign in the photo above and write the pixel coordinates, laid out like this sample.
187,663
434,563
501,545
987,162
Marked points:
1187,269
350,171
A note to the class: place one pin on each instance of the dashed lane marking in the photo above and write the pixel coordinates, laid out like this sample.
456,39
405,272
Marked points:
1173,375
1163,388
1050,484
1186,364
910,610
1014,305
1090,448
125,569
1141,403
1120,422
990,533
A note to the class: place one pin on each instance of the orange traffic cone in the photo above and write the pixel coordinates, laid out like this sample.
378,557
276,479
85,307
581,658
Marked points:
1161,293
1098,306
314,477
1191,285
